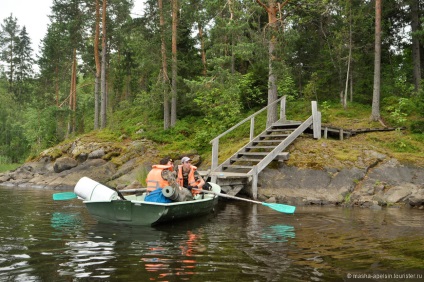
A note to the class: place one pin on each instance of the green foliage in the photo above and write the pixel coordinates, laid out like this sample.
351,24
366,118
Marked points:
212,95
325,113
250,93
41,128
347,198
398,112
402,146
287,87
311,89
107,135
417,126
310,63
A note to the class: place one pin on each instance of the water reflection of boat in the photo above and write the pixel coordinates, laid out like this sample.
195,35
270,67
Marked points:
61,221
161,252
105,206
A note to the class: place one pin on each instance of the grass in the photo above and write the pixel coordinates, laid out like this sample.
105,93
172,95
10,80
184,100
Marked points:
7,167
406,147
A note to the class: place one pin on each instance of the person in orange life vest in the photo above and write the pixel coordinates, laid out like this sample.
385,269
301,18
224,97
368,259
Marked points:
188,176
161,175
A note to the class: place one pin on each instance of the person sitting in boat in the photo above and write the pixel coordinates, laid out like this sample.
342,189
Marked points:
188,176
161,176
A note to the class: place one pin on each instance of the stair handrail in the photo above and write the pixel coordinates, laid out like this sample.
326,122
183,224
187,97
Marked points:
215,141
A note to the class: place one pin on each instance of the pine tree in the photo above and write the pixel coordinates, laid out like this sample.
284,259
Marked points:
24,64
9,43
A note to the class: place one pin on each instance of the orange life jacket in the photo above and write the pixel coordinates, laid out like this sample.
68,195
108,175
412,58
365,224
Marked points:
154,179
191,179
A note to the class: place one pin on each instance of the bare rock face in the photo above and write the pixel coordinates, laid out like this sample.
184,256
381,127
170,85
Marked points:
64,163
62,166
384,183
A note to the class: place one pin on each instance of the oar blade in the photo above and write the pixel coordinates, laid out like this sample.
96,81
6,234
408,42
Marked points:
280,207
64,196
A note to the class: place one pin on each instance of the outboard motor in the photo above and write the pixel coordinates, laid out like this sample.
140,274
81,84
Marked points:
90,190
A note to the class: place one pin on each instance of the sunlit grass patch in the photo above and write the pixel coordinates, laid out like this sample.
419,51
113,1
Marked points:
7,167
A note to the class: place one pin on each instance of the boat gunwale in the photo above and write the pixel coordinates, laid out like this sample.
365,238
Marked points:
156,203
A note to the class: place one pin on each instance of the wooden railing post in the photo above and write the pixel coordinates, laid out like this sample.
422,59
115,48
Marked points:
252,128
283,108
255,182
214,162
316,117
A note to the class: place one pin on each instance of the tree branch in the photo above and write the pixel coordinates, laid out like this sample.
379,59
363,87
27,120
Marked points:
262,4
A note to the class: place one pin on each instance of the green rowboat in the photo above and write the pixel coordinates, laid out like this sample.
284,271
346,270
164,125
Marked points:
106,207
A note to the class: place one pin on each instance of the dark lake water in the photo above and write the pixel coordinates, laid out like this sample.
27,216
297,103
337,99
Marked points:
46,240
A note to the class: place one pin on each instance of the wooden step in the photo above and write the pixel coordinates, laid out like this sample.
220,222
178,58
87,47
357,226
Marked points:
237,166
273,136
287,123
277,130
280,155
233,160
267,141
260,147
223,174
253,153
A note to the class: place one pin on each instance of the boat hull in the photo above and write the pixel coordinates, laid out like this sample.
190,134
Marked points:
147,213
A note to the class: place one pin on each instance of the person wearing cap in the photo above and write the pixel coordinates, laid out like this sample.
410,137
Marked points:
188,176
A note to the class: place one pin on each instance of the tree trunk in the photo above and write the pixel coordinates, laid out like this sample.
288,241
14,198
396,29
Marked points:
56,82
202,49
97,61
272,86
415,25
72,93
74,90
349,58
272,9
103,71
165,78
351,86
375,115
174,62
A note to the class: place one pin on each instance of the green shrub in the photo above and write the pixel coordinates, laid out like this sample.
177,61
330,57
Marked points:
417,126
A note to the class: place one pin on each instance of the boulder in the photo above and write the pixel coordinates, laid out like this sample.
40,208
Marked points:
97,154
64,163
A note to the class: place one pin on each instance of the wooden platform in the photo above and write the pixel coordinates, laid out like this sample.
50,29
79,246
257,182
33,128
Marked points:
343,133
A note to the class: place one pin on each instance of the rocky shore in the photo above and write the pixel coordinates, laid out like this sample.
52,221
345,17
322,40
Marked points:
380,181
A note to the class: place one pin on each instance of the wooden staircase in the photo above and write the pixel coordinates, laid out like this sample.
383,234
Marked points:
243,167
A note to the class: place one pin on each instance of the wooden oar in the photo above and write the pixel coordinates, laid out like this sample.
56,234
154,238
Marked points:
64,196
278,207
71,195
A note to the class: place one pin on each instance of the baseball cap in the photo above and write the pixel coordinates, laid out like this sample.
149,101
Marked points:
185,159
